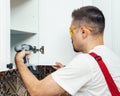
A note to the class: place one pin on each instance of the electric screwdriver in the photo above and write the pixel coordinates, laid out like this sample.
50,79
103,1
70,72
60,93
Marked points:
28,48
25,47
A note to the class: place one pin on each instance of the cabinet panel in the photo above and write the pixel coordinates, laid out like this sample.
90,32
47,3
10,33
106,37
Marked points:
54,23
24,15
4,34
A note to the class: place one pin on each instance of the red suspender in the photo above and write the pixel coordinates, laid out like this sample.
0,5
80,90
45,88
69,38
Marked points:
110,82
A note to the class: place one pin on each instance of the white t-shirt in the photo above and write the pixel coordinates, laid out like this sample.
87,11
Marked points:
83,77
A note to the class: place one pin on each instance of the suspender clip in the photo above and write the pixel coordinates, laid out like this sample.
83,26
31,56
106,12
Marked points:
98,58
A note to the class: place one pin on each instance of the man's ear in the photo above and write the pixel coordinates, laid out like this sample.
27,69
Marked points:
84,32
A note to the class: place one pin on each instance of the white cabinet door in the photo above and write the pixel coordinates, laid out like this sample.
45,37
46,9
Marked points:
4,34
54,23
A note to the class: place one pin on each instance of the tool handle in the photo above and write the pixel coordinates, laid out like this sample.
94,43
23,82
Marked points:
25,59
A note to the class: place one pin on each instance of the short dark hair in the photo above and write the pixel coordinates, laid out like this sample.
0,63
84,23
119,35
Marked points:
91,16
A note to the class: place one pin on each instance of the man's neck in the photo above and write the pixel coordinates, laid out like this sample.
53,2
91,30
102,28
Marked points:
92,44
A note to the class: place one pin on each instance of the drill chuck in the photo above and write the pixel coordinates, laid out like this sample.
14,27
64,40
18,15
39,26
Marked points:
23,47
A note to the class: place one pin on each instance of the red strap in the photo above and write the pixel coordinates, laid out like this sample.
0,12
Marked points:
110,82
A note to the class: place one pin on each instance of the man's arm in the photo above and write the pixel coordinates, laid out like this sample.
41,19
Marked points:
45,87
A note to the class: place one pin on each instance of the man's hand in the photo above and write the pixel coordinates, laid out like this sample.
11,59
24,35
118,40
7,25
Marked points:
58,66
34,86
20,55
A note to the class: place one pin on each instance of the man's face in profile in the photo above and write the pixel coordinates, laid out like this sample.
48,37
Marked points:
75,50
74,36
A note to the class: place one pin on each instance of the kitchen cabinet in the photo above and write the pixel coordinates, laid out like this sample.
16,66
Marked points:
49,29
19,25
4,34
24,26
31,22
46,23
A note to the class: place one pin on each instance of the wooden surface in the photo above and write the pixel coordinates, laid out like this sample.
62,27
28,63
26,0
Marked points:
65,94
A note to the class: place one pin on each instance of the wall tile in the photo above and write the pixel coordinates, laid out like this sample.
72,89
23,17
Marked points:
11,83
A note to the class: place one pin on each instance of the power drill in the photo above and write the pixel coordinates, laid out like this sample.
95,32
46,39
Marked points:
25,47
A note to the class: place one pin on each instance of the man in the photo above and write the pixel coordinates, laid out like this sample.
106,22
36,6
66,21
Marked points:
82,76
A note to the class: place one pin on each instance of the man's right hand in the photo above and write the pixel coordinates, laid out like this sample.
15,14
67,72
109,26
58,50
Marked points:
58,66
20,55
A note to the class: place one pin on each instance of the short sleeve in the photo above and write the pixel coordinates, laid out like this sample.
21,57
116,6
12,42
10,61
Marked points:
75,75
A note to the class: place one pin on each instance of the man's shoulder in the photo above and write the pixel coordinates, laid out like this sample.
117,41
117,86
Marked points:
82,59
83,56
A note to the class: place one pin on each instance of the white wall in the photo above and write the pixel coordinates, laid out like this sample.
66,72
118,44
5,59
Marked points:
105,6
115,21
111,10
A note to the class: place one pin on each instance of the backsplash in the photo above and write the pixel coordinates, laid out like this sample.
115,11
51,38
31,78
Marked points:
11,84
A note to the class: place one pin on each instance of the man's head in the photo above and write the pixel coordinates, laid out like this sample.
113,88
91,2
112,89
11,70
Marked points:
87,28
